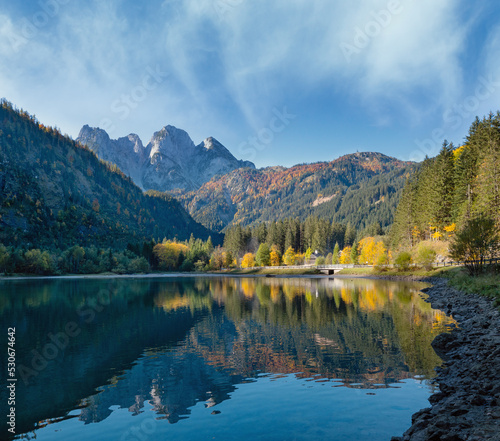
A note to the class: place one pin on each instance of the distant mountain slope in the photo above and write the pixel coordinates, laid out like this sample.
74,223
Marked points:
169,161
56,193
360,188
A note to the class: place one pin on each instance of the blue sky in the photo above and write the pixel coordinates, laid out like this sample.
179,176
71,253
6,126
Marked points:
278,82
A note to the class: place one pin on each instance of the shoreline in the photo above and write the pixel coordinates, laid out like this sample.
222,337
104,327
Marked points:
467,406
190,274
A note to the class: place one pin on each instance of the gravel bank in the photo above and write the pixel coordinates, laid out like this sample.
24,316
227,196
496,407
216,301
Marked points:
468,405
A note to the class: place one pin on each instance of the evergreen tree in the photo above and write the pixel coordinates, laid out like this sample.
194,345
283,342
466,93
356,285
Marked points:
263,256
441,197
336,254
354,253
487,202
350,235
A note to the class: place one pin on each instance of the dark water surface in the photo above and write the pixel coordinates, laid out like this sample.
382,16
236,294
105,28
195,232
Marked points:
214,358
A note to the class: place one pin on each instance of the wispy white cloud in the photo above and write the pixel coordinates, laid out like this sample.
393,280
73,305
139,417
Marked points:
230,62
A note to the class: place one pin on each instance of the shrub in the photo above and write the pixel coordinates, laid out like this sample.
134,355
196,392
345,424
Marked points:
425,256
403,260
138,265
320,260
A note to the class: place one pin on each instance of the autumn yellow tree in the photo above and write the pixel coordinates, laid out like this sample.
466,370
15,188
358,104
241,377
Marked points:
371,252
248,261
366,250
289,256
345,255
275,256
168,253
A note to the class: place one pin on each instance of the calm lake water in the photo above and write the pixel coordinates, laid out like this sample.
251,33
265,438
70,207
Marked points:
213,358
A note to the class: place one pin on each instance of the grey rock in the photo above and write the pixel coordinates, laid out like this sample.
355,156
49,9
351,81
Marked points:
169,161
468,404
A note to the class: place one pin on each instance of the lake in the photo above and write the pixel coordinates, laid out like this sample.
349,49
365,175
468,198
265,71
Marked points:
217,358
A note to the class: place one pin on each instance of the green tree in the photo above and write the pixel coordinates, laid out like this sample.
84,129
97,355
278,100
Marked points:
209,246
354,253
263,256
441,197
336,254
4,258
487,201
228,259
350,234
476,242
38,262
403,260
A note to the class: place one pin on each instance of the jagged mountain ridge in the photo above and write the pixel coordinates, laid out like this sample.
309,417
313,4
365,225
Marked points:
361,188
218,190
169,161
55,193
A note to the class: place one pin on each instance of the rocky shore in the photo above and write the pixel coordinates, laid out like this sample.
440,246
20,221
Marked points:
467,407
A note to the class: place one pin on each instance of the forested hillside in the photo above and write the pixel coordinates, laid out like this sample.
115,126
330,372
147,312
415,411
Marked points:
448,190
55,193
361,189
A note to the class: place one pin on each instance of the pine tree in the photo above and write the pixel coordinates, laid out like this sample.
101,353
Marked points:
354,253
350,235
441,197
404,220
336,254
487,201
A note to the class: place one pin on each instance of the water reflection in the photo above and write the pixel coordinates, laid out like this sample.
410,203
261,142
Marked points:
169,344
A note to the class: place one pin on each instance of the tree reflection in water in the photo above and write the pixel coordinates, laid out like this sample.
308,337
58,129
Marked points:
175,342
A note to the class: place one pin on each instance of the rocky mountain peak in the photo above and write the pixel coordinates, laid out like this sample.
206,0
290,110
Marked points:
169,161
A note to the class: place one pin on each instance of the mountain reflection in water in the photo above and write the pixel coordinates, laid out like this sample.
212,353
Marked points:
171,343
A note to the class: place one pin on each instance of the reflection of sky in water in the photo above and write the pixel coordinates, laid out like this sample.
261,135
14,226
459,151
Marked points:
212,356
270,408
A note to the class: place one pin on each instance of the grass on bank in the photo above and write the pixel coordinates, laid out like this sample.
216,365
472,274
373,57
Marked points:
487,284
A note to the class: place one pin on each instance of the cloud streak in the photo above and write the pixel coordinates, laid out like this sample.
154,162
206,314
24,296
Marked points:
230,62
